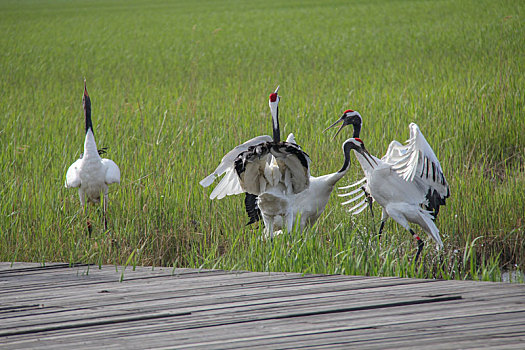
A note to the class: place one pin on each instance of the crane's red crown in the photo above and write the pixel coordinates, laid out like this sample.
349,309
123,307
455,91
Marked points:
348,111
358,140
273,97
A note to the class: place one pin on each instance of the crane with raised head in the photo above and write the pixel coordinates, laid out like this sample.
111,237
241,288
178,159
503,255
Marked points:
91,173
277,165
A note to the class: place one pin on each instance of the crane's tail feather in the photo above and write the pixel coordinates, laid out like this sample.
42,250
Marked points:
358,205
354,184
354,199
360,209
351,193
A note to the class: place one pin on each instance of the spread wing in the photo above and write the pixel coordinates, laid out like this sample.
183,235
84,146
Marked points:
415,161
112,171
280,165
72,176
229,158
228,186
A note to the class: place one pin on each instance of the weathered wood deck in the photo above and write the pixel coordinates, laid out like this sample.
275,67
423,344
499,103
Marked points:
61,307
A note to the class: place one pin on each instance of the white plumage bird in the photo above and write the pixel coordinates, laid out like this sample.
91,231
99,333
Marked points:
408,183
91,173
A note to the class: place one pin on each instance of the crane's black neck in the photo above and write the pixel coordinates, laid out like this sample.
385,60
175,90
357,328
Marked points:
275,125
87,113
357,130
347,147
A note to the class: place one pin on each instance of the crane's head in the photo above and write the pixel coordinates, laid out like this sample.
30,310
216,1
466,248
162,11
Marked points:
274,101
274,108
348,117
358,145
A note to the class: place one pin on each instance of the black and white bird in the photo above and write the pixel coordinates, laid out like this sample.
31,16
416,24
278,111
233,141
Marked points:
91,173
271,167
408,183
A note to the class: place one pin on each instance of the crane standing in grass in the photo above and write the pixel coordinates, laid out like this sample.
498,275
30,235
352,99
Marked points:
268,168
408,183
91,173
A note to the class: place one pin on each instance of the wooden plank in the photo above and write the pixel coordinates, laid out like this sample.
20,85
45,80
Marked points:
134,301
112,335
204,309
374,332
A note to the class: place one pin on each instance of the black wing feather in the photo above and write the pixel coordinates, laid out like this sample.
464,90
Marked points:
252,209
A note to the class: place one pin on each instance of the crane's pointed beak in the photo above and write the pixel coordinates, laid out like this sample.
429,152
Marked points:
277,89
86,101
367,156
334,124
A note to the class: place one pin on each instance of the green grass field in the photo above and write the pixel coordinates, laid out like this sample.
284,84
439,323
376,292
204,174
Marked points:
176,84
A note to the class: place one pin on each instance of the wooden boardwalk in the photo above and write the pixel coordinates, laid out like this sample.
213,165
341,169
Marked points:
83,307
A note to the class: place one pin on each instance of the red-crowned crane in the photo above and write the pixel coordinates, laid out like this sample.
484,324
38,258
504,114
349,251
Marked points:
408,183
91,173
275,171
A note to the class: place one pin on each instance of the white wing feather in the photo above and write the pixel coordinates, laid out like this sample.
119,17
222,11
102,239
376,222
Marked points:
416,157
112,171
354,184
356,194
72,177
229,185
227,160
291,139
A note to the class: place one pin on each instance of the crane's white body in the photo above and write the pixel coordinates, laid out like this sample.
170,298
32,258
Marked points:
401,183
92,174
310,204
278,179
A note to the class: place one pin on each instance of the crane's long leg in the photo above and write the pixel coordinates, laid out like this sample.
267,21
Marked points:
384,217
369,199
83,204
105,207
289,222
268,227
420,244
381,228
